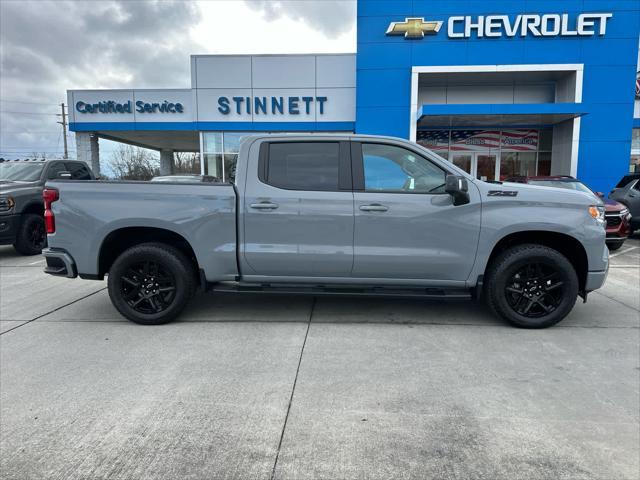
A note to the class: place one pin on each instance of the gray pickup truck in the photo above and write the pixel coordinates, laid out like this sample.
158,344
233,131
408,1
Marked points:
331,214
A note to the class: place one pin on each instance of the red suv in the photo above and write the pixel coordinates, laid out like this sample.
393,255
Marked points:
617,215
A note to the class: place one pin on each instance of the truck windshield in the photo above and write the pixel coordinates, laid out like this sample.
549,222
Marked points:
569,185
21,171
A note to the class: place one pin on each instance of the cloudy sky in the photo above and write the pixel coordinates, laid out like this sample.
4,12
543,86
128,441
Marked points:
47,47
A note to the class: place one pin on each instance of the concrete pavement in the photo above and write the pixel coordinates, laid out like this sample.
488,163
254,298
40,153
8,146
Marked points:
277,387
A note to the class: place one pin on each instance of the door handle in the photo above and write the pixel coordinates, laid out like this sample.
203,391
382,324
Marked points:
375,207
264,206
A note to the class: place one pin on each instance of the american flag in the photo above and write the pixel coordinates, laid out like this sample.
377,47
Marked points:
521,140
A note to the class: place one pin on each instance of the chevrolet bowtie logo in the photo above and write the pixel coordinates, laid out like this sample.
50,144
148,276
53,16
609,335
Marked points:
414,28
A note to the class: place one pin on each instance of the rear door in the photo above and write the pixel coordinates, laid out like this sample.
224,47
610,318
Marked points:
298,213
406,226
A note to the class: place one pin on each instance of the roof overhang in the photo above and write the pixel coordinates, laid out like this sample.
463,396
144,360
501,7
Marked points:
497,115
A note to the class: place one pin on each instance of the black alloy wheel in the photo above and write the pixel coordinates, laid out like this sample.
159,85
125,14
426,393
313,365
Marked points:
531,286
151,283
535,290
148,287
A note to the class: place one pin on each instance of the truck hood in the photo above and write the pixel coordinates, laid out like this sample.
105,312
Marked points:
522,192
8,187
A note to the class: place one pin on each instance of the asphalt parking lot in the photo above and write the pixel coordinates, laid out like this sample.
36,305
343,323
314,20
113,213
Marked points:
295,388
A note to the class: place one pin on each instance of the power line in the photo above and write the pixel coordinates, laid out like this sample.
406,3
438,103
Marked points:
29,103
30,113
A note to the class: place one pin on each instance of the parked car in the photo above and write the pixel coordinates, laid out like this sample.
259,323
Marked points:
21,209
332,214
187,178
627,192
617,215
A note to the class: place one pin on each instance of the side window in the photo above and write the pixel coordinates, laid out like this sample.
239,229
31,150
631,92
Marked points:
637,185
54,169
389,168
303,165
78,171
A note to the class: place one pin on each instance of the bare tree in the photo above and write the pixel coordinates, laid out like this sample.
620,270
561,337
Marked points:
186,162
134,163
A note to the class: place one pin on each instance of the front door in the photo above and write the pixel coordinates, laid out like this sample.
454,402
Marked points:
298,217
483,166
406,226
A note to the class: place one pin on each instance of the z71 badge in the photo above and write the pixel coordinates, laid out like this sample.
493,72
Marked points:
502,193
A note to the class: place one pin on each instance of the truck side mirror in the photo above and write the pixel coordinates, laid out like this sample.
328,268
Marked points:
64,175
457,187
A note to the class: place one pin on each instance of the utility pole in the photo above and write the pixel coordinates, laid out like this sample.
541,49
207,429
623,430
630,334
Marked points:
64,131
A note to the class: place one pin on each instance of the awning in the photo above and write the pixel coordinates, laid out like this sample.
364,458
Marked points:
497,115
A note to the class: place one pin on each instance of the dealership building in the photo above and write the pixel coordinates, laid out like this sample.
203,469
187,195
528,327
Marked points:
498,88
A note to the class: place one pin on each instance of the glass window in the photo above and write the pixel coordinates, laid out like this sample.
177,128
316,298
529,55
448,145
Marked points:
212,142
546,140
635,139
213,165
232,141
304,165
55,169
395,169
544,163
78,171
516,164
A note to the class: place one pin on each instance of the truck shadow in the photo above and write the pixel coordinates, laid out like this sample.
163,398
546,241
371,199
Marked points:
219,307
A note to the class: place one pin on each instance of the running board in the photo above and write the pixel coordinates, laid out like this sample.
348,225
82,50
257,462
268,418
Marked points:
298,289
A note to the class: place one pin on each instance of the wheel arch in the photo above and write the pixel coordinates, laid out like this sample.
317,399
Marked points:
567,245
124,238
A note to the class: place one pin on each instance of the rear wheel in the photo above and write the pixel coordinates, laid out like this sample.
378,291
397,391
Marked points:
531,286
151,283
32,235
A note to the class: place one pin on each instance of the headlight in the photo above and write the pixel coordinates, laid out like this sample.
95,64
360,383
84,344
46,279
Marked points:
597,212
6,203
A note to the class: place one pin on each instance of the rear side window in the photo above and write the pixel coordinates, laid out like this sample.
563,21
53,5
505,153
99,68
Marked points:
55,169
78,171
303,165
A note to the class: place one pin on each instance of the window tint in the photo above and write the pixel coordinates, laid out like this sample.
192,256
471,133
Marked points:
304,165
637,185
78,171
55,169
395,169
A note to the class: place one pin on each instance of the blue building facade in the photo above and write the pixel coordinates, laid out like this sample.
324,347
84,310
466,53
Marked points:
557,75
500,88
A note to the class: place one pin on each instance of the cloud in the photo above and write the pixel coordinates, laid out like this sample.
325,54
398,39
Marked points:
50,46
332,17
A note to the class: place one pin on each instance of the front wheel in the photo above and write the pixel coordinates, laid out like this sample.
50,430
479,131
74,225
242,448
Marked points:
151,283
613,246
531,286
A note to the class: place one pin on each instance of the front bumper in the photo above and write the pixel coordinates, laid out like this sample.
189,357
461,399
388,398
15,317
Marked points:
59,263
9,228
596,279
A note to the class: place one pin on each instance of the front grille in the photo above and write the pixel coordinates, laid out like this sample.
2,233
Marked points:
613,220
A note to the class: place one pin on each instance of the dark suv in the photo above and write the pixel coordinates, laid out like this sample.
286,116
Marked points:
21,206
627,192
616,214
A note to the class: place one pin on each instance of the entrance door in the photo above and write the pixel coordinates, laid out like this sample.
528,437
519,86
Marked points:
483,166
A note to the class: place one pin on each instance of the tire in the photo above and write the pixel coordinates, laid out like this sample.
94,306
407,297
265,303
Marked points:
170,283
615,245
531,286
32,235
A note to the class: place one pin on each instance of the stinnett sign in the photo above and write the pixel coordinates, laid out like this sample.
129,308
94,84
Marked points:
494,26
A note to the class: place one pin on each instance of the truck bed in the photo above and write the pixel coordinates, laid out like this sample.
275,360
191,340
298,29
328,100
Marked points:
204,214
